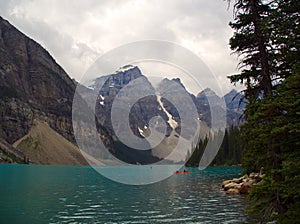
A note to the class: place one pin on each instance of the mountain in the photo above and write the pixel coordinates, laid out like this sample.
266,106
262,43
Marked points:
45,146
207,94
234,101
236,104
33,87
126,85
129,88
36,99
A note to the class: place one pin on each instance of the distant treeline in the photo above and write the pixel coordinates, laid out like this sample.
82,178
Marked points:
230,152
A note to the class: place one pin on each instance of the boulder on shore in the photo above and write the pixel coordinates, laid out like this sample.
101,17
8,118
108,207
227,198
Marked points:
233,191
242,185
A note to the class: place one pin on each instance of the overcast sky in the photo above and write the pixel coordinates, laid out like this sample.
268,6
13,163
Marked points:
76,33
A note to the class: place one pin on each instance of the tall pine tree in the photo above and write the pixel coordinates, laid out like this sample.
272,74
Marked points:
267,40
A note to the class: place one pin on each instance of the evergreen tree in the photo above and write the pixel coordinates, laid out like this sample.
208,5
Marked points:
250,42
197,153
230,152
266,38
277,196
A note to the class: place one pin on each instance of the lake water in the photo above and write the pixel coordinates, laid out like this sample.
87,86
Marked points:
61,194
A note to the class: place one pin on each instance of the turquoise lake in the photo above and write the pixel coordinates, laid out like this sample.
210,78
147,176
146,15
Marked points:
62,194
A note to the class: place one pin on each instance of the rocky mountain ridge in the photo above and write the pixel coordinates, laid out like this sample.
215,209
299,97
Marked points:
235,105
34,89
33,86
129,86
109,87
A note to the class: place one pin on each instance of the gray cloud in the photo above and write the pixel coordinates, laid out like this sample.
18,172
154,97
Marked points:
76,32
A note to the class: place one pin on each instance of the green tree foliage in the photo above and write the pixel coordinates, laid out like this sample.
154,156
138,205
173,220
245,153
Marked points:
250,42
267,40
279,152
230,152
231,149
194,158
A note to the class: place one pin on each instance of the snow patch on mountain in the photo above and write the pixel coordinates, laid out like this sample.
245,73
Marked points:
141,132
125,68
171,121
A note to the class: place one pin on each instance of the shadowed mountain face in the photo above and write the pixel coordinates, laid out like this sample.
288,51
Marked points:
32,86
33,89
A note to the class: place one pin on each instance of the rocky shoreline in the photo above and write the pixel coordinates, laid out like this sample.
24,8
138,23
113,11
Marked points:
242,185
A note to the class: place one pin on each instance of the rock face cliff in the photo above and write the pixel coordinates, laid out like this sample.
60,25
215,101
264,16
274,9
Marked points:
32,86
126,85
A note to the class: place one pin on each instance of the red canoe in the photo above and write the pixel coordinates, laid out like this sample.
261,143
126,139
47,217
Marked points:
181,172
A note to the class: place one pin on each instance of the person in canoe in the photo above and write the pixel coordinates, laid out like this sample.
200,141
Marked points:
181,172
